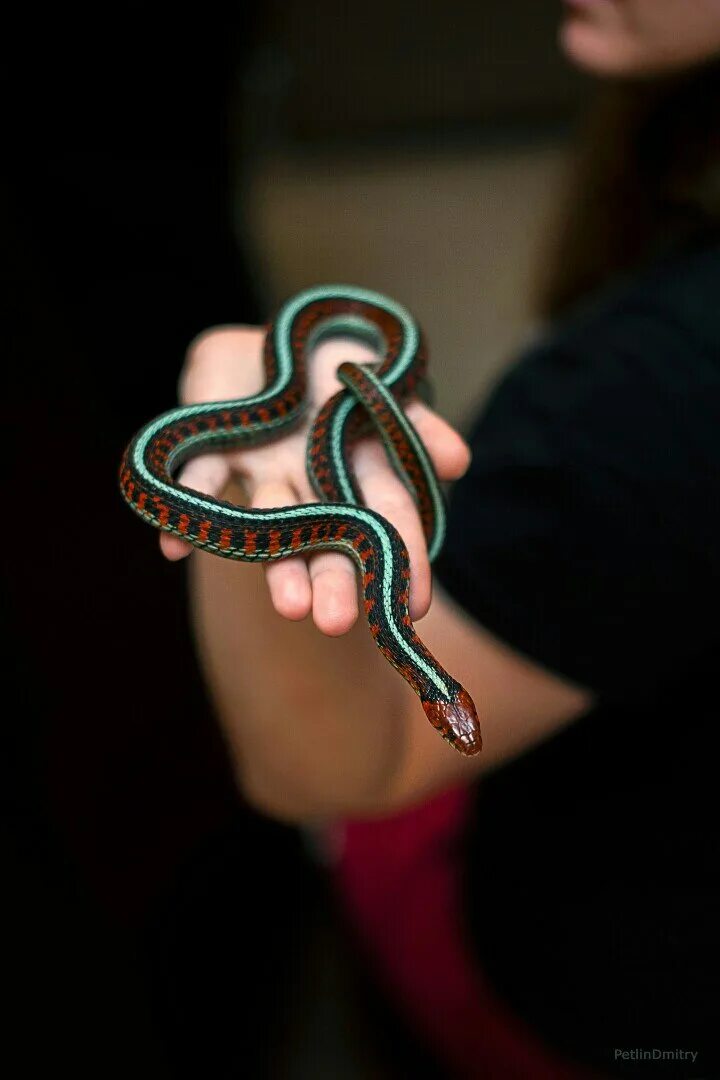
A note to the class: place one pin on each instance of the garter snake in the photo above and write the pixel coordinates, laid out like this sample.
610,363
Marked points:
372,394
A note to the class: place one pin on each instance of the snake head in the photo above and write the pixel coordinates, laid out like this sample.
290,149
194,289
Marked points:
457,721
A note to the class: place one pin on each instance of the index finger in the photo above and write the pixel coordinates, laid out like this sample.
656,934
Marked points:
449,451
207,474
385,493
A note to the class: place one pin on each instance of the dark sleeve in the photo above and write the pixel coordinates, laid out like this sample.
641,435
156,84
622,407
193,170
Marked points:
584,533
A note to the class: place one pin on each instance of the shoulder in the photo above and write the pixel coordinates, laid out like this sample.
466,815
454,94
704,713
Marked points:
660,319
680,289
635,364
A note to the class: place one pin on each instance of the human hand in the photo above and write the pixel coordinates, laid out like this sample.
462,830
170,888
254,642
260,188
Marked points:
225,363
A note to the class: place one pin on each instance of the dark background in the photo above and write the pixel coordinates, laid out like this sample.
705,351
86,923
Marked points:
154,925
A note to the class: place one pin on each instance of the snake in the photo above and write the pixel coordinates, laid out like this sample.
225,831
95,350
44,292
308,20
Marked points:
371,397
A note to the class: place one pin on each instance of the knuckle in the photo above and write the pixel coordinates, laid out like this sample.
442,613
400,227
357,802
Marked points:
218,337
208,351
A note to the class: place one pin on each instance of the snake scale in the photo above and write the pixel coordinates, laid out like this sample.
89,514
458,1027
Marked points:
372,395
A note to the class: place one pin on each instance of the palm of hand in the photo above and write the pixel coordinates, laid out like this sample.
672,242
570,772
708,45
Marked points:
227,363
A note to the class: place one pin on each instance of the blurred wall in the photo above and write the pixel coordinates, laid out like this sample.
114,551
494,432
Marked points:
423,154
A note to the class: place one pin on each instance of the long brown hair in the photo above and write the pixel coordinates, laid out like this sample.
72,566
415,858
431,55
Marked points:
645,179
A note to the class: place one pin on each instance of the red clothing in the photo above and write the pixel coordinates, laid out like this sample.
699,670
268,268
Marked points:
399,882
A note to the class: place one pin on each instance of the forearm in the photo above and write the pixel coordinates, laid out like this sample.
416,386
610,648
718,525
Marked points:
322,727
315,725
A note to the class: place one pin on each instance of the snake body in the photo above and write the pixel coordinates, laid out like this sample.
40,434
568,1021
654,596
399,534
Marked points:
372,394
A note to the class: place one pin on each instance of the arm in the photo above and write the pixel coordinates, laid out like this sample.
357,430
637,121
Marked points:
320,727
318,724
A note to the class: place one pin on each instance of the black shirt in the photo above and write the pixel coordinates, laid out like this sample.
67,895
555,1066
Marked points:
585,535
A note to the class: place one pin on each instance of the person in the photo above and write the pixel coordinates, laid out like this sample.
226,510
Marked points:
548,907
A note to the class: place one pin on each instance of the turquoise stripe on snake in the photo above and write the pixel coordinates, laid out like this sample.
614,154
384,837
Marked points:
340,522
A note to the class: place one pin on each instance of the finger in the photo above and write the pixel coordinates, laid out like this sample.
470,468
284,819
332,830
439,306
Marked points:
327,356
385,493
207,475
334,592
221,364
173,548
287,579
450,453
333,576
